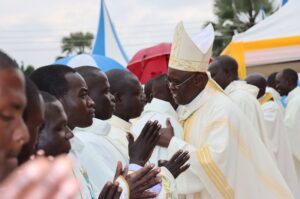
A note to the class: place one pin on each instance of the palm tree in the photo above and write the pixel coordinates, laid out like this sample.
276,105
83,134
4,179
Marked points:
77,43
235,16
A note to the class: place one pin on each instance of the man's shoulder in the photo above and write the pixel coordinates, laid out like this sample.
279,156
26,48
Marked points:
219,105
241,95
294,103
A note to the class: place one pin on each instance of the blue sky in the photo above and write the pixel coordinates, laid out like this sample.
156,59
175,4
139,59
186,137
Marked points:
31,30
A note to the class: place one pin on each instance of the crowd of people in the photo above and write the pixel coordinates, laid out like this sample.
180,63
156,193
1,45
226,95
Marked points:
197,132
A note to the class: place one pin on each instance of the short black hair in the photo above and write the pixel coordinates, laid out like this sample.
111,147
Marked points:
148,90
291,75
52,79
6,61
118,79
88,72
271,79
227,63
48,98
32,95
161,77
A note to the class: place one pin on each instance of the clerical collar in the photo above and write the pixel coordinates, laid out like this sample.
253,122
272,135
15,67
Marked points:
241,85
292,94
120,123
185,111
99,127
160,106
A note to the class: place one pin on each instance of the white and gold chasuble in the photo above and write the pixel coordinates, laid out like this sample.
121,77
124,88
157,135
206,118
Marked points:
228,159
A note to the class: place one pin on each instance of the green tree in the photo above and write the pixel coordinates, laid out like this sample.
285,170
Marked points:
27,70
236,16
77,43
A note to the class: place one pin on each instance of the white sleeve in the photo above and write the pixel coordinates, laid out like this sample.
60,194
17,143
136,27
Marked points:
188,182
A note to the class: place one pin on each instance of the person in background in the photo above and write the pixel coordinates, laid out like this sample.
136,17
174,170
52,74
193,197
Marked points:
161,108
95,137
286,85
130,102
277,133
224,70
271,88
33,117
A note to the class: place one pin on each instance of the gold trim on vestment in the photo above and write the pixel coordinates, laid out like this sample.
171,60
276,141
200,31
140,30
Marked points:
218,178
267,97
214,173
268,181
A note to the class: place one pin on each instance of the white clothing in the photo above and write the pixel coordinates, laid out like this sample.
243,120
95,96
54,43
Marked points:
158,110
244,96
79,171
279,141
227,159
276,97
292,122
99,156
117,134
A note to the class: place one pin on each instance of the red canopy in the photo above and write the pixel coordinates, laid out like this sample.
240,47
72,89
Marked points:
150,62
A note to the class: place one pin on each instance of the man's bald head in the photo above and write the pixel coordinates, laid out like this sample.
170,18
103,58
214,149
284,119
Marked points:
286,81
128,93
272,80
99,91
224,70
87,71
119,79
259,81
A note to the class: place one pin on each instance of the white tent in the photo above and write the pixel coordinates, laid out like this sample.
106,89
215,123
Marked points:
273,40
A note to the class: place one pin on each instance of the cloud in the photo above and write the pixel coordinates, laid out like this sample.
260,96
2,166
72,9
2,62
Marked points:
31,30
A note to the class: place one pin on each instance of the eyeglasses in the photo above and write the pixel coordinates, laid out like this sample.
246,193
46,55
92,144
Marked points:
178,85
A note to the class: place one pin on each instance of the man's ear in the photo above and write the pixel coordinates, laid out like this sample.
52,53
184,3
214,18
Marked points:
200,78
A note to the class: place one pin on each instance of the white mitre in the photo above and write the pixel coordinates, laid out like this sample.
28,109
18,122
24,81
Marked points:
191,54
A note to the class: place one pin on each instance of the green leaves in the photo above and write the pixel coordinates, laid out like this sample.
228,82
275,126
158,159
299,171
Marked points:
236,16
77,43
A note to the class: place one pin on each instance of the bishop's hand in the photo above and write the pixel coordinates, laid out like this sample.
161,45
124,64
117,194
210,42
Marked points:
177,164
141,149
166,134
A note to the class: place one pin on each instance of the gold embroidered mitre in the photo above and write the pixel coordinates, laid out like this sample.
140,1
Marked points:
191,54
